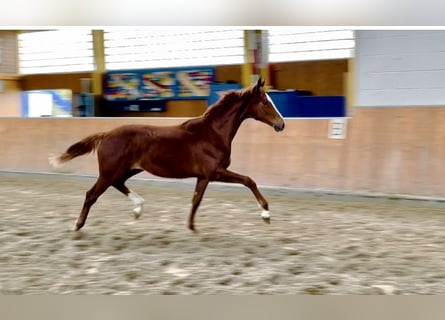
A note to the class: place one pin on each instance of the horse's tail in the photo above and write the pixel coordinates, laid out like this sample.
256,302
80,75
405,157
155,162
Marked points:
82,147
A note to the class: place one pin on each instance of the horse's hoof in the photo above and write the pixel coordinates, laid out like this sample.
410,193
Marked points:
137,212
265,214
192,228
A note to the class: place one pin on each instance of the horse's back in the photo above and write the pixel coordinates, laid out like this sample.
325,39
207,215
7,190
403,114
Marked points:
125,139
132,129
152,148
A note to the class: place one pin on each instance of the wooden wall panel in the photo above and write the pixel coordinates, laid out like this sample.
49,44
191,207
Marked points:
9,53
10,98
228,73
54,81
321,77
386,150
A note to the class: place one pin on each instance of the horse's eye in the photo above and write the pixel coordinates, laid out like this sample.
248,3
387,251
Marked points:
265,104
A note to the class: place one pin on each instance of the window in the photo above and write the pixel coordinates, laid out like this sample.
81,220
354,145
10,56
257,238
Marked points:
295,44
53,51
133,48
71,49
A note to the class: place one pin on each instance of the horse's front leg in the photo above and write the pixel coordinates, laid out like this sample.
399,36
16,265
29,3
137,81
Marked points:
224,175
201,185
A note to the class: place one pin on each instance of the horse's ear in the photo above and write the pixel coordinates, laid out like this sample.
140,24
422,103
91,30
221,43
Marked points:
260,84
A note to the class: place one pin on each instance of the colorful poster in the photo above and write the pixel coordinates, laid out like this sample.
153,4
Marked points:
62,102
122,86
47,103
194,83
158,85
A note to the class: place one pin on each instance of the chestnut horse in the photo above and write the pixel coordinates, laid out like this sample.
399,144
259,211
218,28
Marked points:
199,147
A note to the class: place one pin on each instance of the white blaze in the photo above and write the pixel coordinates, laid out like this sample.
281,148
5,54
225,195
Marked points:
273,105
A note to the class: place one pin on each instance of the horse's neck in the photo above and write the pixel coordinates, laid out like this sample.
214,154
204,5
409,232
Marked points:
226,124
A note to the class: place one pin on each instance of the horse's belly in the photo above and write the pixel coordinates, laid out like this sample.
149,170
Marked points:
169,165
168,172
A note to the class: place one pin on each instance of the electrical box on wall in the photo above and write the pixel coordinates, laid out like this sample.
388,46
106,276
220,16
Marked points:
337,128
2,86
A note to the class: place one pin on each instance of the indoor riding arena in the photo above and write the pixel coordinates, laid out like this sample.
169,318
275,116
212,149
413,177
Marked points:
357,200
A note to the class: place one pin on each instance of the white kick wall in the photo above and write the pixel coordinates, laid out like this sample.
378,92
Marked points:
400,68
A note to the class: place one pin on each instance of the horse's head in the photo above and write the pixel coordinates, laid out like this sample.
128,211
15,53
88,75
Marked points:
261,108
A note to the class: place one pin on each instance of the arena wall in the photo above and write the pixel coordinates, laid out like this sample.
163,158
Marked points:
386,150
10,85
400,67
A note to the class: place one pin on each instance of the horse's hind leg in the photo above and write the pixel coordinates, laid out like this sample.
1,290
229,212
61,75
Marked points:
133,196
201,185
92,195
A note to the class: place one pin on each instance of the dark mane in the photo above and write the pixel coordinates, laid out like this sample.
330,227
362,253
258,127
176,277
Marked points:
221,107
229,99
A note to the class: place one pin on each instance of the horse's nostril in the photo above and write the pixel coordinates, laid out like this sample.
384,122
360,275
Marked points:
278,127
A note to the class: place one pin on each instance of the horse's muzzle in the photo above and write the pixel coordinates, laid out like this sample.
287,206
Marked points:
279,127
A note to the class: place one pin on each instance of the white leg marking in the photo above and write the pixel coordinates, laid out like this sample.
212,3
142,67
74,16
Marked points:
74,227
265,214
138,201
